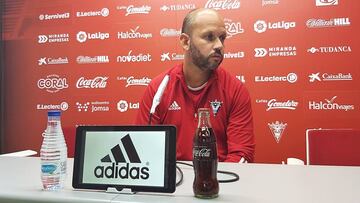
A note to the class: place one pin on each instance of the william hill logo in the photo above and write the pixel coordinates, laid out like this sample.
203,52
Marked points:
119,167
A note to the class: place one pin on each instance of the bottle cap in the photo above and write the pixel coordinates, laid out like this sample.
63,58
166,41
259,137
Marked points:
54,113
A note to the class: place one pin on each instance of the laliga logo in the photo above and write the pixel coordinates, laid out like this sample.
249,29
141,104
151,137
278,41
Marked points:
83,36
122,171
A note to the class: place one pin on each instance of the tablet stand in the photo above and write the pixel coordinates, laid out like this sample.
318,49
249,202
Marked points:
120,190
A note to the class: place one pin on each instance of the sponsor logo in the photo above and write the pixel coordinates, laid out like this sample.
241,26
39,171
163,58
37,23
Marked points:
103,12
134,58
52,61
232,28
326,2
270,2
133,34
83,36
275,51
291,78
174,106
53,38
329,77
223,4
274,104
118,170
132,81
98,82
336,49
54,16
277,128
131,10
169,32
96,106
215,106
173,57
333,22
330,105
177,7
52,83
92,59
63,106
261,26
241,78
234,55
124,106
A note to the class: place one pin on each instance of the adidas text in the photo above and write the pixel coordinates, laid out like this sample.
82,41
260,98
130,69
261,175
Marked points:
123,172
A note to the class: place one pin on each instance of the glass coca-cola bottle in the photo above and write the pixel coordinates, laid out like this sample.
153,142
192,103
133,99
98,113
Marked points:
205,158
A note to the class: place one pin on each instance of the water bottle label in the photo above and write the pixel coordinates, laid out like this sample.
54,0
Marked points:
48,168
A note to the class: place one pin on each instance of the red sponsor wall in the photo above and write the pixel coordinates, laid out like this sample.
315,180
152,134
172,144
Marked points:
93,60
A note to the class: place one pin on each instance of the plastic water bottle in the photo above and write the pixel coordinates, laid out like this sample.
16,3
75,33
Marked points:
53,154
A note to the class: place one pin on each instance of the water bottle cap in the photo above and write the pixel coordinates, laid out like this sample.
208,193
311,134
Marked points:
54,113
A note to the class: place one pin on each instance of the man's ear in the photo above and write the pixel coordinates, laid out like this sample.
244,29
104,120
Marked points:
185,41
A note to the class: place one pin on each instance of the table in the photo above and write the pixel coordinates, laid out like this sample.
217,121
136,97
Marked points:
20,182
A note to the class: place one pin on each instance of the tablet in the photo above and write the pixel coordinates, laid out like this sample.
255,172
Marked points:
139,158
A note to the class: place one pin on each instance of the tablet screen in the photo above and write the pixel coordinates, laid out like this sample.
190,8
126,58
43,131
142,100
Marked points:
138,157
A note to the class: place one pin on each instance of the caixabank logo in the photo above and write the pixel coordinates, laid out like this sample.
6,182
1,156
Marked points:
114,165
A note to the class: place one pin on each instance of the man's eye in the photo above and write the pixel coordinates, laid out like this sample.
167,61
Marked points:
210,37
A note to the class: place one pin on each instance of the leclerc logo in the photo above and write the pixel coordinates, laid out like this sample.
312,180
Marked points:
327,2
122,171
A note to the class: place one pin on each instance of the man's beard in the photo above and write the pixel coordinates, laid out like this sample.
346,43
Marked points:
201,61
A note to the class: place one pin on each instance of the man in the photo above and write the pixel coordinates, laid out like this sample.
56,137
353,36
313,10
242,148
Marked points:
198,83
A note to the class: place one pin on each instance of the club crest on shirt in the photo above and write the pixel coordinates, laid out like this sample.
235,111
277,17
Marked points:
215,106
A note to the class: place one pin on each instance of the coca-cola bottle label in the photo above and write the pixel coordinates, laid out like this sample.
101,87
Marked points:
204,152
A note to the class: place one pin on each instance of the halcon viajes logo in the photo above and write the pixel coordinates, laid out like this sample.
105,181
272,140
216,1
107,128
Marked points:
96,83
134,34
119,167
52,83
330,105
223,4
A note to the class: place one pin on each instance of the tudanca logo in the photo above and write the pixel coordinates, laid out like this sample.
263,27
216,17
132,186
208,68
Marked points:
273,104
330,77
261,26
133,170
330,104
134,58
277,129
131,10
333,22
177,7
52,83
291,78
223,4
96,83
83,36
233,28
326,2
170,32
337,49
103,12
133,34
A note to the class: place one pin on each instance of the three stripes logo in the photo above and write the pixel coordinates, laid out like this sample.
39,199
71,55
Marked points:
115,165
260,52
42,39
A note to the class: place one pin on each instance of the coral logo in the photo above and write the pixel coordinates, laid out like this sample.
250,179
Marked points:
52,83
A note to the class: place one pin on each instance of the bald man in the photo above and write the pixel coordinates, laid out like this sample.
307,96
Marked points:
199,82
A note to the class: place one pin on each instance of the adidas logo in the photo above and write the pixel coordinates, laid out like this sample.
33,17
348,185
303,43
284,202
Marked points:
116,170
174,106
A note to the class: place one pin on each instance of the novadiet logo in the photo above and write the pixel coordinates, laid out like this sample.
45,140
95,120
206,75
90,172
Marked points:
118,168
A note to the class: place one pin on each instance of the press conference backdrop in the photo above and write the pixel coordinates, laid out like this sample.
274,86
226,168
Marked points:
94,59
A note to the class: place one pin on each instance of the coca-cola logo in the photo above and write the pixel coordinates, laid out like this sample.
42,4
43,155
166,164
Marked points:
52,83
202,152
222,4
97,82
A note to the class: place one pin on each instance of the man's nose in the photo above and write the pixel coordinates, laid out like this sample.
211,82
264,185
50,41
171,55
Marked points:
218,44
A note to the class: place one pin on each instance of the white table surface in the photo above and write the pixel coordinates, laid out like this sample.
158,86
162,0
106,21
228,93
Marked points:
20,182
